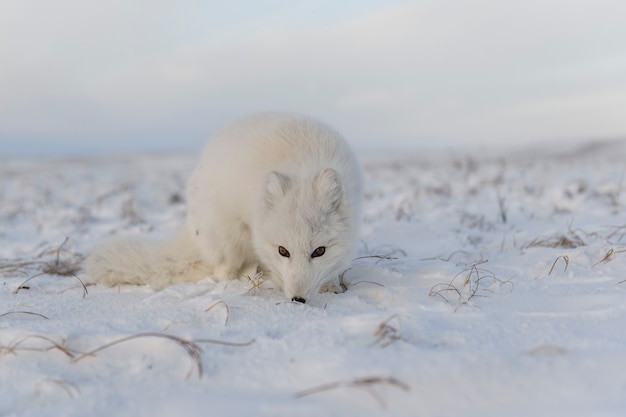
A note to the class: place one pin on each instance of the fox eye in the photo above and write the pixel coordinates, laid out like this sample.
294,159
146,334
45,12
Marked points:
283,252
318,252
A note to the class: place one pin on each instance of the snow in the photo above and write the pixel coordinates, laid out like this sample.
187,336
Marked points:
488,283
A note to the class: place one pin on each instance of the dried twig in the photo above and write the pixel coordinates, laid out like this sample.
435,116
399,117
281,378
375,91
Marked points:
619,232
352,284
471,286
17,265
256,281
225,343
609,256
565,259
547,350
571,240
192,348
386,253
24,312
367,383
441,258
386,334
66,268
217,303
62,347
502,208
23,286
71,389
379,257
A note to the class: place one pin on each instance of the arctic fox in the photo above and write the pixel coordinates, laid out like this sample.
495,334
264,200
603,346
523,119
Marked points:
276,193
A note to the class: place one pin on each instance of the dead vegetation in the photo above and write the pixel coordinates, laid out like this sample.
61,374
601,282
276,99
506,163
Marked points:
256,283
617,236
72,390
381,253
49,345
223,304
565,261
570,240
378,258
191,347
502,208
469,283
609,256
24,312
367,383
62,267
387,333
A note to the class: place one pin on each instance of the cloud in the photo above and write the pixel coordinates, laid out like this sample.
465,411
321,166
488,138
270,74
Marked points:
408,72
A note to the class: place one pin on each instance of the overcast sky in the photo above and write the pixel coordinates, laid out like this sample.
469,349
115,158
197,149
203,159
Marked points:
130,75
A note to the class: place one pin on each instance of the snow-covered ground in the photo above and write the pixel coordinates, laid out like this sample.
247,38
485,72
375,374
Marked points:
488,284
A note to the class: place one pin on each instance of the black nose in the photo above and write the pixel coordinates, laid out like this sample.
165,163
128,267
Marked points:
298,300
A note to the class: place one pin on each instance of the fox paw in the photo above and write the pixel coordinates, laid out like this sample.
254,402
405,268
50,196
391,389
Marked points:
333,287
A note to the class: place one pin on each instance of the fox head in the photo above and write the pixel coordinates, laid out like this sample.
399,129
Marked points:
303,233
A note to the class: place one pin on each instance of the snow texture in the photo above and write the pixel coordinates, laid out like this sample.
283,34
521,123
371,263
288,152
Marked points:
487,284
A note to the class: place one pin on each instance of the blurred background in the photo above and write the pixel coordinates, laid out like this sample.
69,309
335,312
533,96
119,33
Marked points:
85,77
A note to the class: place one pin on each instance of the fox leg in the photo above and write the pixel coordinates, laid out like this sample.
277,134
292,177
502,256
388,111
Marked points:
227,248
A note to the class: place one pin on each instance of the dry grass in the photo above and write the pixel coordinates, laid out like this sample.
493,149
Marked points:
547,350
220,303
367,383
23,285
225,343
10,267
502,208
378,257
609,256
472,285
193,350
618,234
565,260
256,282
355,283
446,259
386,333
24,312
49,345
382,253
559,240
191,347
71,389
569,240
57,266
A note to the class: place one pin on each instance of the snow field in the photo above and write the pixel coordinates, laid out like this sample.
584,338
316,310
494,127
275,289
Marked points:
488,283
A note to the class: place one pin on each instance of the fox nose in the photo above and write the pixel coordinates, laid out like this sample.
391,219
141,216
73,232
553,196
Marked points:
298,300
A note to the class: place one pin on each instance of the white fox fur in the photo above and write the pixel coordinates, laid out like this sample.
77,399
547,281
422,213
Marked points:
274,192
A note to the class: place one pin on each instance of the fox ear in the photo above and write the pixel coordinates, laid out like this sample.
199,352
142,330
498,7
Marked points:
329,189
276,186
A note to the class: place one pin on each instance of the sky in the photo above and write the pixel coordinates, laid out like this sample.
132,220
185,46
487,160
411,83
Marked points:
86,76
